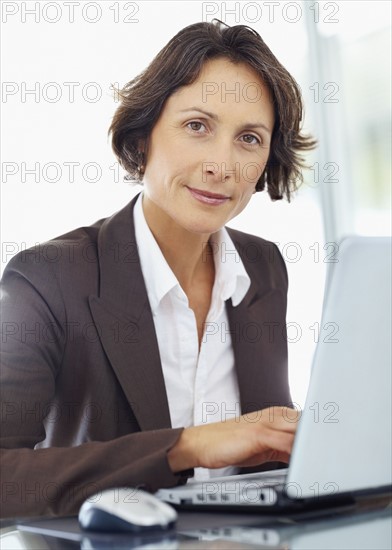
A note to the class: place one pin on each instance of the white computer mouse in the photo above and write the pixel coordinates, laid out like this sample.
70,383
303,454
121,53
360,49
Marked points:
126,509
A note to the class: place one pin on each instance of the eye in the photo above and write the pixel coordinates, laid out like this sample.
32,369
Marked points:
256,142
191,125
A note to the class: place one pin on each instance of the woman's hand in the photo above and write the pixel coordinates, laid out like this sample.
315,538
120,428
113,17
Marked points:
248,440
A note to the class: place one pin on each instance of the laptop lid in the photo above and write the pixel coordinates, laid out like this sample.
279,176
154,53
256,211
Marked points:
343,442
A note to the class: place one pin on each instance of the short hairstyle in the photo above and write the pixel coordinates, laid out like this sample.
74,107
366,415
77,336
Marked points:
179,63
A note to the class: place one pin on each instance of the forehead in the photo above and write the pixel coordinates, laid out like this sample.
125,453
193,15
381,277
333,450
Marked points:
224,85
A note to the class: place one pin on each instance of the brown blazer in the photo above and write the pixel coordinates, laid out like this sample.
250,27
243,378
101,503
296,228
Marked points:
83,400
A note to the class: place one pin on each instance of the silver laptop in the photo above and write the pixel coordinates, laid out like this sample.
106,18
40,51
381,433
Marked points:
342,448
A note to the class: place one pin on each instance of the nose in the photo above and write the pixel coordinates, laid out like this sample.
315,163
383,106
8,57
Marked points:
221,167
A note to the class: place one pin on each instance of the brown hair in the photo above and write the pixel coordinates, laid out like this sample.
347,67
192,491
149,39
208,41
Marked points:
179,64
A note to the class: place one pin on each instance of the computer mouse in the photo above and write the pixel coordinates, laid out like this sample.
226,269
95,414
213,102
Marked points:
126,509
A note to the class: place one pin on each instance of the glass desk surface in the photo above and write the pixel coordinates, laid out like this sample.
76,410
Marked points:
365,526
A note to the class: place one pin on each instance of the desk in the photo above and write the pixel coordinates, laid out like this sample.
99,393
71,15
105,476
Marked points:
365,526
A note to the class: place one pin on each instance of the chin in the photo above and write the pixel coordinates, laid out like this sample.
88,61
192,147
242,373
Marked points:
200,223
204,229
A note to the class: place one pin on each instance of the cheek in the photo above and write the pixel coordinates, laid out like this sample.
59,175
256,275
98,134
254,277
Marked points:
243,201
251,174
164,177
173,153
247,195
252,170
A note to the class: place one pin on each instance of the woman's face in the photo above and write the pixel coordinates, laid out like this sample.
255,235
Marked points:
208,148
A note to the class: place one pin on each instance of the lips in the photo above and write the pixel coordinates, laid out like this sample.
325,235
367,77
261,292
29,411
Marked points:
206,197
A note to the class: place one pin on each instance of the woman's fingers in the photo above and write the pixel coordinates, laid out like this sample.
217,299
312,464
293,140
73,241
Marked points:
266,436
277,440
281,418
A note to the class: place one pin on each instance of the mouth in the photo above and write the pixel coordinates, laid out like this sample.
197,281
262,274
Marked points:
206,197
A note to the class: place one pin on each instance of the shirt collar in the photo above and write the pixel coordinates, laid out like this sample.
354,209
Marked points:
231,279
158,276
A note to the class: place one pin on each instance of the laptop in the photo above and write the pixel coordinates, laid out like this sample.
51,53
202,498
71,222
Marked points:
342,448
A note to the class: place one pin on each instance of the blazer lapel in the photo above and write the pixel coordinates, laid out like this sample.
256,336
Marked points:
258,357
258,328
125,324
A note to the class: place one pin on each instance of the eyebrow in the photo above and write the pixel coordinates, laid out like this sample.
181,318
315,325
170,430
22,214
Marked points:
215,117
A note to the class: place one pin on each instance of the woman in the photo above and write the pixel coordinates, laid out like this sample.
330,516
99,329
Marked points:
149,347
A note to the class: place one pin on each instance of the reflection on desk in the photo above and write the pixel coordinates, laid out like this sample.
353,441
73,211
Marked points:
366,532
368,529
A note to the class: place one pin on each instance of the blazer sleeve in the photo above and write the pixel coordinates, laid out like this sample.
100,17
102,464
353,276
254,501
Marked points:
56,480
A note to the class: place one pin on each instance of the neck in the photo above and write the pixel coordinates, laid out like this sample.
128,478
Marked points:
188,254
